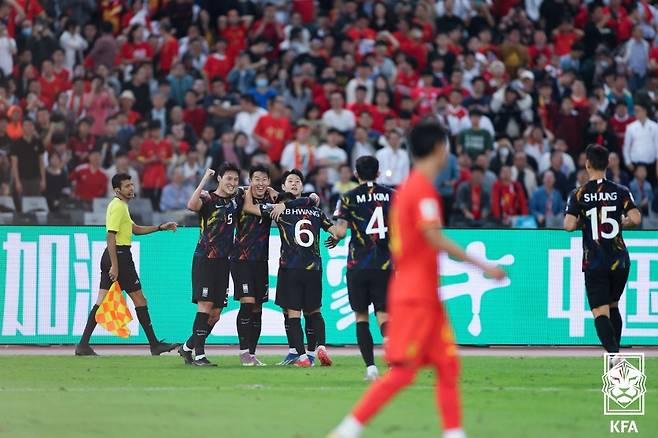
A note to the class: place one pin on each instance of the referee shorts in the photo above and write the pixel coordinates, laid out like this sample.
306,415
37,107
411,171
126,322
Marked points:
210,281
128,278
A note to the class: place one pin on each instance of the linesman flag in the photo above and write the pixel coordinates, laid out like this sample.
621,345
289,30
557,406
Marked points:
113,314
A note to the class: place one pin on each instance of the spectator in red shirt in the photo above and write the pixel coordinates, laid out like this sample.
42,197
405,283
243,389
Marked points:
88,179
193,114
218,64
155,155
361,105
169,49
273,130
234,29
508,197
564,37
269,29
381,111
126,102
59,70
416,47
620,121
425,94
83,142
539,47
136,49
50,84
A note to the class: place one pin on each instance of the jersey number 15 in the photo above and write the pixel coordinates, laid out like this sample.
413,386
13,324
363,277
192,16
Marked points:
593,217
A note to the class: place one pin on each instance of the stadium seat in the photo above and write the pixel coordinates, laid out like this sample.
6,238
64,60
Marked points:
59,218
25,219
6,218
100,204
94,218
8,203
34,204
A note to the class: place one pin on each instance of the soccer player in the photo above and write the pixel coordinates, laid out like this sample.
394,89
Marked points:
210,266
249,267
365,211
601,208
117,265
299,283
418,330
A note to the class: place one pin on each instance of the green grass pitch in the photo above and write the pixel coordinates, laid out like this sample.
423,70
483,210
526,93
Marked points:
161,397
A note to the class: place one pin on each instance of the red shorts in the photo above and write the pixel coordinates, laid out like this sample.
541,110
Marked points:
419,336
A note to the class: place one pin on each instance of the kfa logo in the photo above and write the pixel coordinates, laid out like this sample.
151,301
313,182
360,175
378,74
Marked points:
624,384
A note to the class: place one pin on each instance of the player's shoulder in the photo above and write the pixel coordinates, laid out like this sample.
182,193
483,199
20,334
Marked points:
417,186
613,186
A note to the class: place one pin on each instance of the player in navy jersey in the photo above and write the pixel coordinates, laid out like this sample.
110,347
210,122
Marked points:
299,283
249,267
364,210
601,208
210,266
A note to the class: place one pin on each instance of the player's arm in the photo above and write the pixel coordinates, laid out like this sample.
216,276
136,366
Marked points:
140,230
570,222
249,206
341,229
440,242
571,215
632,219
195,203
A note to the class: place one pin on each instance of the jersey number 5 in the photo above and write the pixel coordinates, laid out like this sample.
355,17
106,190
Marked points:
376,224
593,217
299,232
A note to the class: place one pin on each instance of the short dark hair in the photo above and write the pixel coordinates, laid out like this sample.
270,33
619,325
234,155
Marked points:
285,196
118,179
287,173
259,168
367,167
227,167
597,156
425,137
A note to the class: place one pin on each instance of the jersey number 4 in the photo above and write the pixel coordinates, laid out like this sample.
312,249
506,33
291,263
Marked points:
594,222
376,224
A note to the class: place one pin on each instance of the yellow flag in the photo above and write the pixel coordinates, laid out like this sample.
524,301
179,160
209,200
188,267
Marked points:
113,313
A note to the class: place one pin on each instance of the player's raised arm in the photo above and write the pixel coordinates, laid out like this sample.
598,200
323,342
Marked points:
249,206
194,204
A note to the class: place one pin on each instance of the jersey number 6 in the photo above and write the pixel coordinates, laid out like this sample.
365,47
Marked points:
299,232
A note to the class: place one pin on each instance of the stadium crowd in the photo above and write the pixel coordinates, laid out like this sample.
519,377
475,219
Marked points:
163,89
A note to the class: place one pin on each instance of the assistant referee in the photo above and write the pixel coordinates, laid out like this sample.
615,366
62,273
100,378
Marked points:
117,265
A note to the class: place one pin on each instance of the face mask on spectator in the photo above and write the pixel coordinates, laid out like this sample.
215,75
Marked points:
261,83
27,31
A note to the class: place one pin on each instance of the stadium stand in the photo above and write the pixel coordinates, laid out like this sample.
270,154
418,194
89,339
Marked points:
162,87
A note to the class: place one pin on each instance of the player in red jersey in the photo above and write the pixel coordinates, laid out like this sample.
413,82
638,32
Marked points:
419,334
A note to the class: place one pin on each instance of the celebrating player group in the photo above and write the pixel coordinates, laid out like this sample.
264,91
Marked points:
392,266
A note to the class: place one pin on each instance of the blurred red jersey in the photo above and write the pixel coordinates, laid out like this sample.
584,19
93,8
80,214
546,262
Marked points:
416,207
